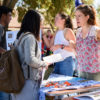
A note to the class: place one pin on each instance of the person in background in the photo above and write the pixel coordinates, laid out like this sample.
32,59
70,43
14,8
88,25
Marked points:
30,56
49,37
43,43
61,44
5,17
46,38
87,43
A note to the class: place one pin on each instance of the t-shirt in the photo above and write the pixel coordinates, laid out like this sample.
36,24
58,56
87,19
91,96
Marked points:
2,37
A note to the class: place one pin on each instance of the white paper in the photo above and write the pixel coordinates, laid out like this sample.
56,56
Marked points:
53,58
10,38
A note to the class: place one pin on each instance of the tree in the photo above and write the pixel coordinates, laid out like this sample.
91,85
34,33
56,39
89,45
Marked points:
10,3
98,11
49,8
90,2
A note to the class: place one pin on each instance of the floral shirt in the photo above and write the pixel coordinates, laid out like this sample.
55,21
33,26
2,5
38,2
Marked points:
88,51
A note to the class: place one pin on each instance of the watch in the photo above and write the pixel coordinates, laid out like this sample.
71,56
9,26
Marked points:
62,46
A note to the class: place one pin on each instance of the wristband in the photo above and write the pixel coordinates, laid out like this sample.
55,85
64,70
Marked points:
62,46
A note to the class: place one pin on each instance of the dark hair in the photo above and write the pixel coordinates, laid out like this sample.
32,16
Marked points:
30,23
68,21
4,10
88,10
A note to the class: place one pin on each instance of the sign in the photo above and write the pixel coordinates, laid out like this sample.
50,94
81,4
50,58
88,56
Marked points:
10,38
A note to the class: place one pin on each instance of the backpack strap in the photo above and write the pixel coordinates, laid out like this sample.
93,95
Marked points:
23,35
22,38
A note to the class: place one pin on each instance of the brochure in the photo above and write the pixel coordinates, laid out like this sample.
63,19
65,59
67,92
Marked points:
53,58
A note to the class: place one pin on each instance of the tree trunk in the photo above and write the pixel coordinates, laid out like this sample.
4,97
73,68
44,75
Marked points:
9,3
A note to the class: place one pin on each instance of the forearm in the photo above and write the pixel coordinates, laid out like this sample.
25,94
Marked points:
55,47
52,41
36,63
2,50
68,48
46,41
98,36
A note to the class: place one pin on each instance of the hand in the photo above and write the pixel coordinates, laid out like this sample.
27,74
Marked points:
72,44
11,46
2,50
47,65
55,47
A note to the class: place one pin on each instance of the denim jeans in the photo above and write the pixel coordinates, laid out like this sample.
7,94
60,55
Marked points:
65,67
29,91
4,96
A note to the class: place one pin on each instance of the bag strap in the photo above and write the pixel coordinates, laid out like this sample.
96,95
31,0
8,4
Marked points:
22,38
23,35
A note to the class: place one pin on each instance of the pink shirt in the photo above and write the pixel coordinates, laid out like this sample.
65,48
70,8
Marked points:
88,51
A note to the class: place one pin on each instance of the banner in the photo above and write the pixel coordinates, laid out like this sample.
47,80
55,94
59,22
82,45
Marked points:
78,2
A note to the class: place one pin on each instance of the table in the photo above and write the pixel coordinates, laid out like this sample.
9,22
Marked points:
86,89
55,77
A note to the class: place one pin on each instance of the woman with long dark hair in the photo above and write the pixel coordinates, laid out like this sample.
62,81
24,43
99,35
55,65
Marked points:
29,54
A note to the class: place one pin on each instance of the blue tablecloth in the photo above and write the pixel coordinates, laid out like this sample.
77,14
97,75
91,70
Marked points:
75,83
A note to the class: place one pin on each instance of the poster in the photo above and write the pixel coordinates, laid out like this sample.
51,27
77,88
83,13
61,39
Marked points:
10,38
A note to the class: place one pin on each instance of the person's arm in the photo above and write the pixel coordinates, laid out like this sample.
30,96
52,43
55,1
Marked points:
30,52
46,41
52,39
70,36
52,46
1,32
2,50
98,35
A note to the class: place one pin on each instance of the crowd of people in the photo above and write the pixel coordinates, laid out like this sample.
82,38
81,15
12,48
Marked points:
81,52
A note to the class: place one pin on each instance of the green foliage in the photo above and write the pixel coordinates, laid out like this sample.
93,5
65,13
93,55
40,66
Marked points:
98,11
49,8
90,2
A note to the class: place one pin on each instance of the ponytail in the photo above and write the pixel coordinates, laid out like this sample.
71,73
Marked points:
68,20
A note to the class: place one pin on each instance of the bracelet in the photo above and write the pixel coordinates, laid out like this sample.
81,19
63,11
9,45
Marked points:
62,46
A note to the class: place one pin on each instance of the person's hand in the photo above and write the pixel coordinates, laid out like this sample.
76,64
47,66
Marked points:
47,65
11,46
55,47
72,44
2,50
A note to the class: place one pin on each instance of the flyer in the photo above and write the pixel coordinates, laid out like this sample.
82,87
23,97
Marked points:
10,38
53,58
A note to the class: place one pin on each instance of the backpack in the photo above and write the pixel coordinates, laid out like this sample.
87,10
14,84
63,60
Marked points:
11,75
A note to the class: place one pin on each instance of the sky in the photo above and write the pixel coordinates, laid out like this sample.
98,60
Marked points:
96,3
